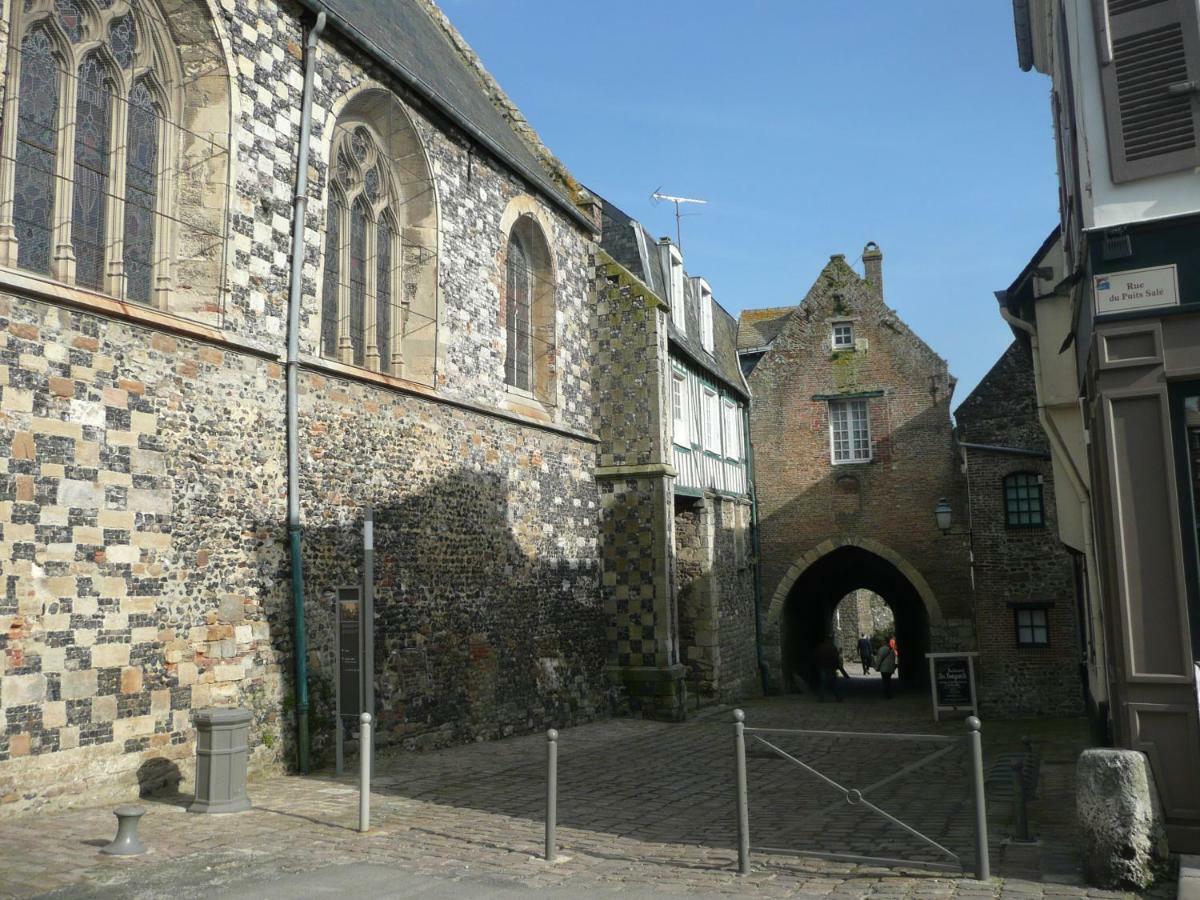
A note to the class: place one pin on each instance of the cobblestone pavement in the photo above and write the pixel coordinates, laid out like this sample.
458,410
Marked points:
644,807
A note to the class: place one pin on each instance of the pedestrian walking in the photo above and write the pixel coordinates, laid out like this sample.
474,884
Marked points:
828,662
841,666
885,662
865,653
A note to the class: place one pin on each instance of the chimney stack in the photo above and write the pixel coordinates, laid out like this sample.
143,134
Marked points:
872,258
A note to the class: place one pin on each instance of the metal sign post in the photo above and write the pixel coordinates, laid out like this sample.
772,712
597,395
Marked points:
367,632
952,682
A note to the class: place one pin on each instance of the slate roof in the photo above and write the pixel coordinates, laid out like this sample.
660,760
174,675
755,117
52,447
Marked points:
403,36
758,327
628,242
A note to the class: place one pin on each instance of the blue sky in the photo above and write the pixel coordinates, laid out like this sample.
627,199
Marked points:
811,127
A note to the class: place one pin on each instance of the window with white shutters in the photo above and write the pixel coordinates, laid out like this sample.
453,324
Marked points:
1149,54
730,432
679,408
849,431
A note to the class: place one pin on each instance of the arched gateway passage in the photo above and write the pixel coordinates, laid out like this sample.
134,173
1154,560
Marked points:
804,604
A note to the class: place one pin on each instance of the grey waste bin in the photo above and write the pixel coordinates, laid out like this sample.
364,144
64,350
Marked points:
222,739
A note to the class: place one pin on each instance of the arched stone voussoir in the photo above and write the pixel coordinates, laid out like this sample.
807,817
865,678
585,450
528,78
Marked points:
827,546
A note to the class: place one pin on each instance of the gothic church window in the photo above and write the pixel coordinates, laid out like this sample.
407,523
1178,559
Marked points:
83,161
378,298
529,311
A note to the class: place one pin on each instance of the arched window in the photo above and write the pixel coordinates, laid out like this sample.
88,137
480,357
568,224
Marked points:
529,310
83,167
518,370
378,297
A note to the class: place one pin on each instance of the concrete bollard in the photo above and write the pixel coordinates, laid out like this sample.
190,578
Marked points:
364,773
551,795
126,842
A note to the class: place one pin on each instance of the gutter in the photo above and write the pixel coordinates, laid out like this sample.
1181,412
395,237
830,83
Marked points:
422,87
299,209
995,448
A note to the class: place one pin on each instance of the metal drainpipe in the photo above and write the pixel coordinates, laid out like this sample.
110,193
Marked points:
759,644
299,208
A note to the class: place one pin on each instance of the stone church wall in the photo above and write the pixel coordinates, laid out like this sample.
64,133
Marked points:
142,484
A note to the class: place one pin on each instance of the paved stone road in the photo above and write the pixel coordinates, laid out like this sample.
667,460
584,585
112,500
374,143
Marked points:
644,808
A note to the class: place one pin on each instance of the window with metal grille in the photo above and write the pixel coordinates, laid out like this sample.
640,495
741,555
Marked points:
1023,500
843,336
849,431
1033,627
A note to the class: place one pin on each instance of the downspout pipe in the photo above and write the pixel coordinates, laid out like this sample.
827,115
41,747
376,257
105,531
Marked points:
759,639
299,211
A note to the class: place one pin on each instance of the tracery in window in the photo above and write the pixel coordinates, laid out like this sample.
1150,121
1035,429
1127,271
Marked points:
92,169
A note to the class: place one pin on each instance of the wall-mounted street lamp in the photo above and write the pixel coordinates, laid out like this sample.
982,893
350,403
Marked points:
943,515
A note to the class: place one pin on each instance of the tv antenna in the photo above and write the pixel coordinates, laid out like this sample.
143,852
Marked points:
677,200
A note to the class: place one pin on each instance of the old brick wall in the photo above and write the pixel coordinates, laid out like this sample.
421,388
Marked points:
1015,565
809,506
142,467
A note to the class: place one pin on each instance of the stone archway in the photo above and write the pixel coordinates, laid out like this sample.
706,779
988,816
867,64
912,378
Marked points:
802,607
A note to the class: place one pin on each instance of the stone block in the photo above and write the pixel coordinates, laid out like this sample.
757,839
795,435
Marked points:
78,685
104,709
22,690
107,656
1121,821
131,680
186,674
229,673
54,714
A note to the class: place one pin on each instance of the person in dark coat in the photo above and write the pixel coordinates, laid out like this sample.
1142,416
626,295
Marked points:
885,662
865,653
828,662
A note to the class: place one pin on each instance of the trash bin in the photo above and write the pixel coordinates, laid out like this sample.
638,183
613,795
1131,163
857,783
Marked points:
222,745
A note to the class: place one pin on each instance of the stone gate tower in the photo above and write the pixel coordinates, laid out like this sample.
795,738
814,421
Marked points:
853,450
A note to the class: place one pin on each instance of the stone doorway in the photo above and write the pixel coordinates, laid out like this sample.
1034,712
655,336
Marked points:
809,612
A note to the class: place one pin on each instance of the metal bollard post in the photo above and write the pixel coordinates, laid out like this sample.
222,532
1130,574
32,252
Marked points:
551,794
364,773
1020,820
126,842
983,868
743,803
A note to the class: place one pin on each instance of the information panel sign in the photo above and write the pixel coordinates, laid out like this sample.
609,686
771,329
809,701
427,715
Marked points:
952,682
349,652
1134,289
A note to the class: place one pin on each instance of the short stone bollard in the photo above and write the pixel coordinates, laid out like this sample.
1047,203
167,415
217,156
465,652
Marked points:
126,842
1120,819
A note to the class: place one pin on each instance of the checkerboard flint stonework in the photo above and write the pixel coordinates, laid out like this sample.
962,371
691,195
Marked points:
142,477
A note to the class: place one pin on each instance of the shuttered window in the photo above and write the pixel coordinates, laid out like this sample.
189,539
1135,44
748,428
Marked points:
1150,73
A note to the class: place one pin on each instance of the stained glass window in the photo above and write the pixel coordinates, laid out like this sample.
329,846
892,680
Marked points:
141,193
518,313
93,125
122,38
331,286
383,295
358,279
371,184
37,151
71,18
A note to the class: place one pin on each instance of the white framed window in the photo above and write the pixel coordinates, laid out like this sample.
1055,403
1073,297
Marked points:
706,315
712,421
843,336
679,408
849,431
674,274
732,431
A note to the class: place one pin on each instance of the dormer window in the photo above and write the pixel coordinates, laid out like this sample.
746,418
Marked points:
706,315
843,336
673,273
